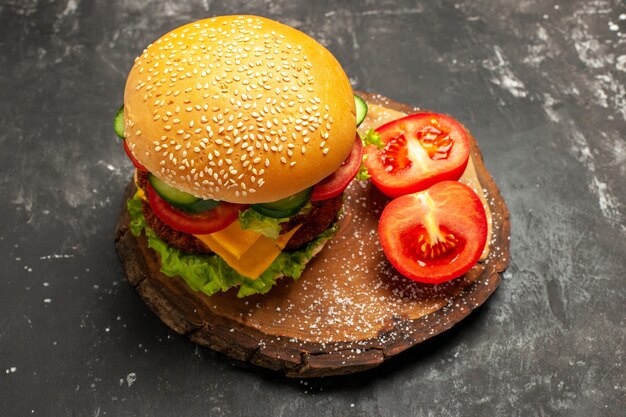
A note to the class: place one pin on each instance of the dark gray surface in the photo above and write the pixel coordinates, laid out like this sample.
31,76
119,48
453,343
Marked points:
540,84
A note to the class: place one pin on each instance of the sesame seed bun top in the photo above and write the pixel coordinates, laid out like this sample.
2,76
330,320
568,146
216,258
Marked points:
239,108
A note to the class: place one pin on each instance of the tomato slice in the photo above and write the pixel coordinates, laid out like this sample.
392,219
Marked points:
419,150
335,183
203,223
132,158
435,235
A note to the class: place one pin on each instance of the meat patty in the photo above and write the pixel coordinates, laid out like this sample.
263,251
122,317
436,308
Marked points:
319,218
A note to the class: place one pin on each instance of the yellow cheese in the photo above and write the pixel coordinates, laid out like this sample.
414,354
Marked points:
141,194
470,178
247,252
234,240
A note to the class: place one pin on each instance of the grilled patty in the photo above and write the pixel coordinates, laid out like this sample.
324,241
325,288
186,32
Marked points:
319,218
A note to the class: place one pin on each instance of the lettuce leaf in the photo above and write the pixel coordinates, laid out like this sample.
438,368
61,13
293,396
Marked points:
372,137
210,273
255,221
363,174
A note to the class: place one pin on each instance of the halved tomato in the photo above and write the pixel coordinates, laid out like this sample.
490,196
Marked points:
335,183
435,235
132,158
419,150
210,221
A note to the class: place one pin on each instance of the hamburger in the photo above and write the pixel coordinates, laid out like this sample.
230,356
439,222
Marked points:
243,134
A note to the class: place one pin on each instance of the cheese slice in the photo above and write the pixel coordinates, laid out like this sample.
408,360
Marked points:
141,194
470,178
234,240
247,252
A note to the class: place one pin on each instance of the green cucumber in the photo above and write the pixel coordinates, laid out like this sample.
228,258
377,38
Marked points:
285,207
199,206
180,199
118,123
361,109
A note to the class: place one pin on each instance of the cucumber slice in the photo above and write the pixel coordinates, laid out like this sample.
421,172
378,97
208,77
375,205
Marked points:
181,199
361,109
171,194
272,213
286,207
199,206
118,123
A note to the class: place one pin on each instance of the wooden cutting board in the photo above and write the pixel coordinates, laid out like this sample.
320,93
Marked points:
350,310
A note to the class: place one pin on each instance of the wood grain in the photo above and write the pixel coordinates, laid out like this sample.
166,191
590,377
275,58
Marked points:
350,310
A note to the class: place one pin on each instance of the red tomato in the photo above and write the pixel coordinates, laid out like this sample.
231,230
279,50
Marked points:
335,183
435,235
134,160
203,223
419,150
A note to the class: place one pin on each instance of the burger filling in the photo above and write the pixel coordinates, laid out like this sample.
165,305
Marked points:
236,256
310,221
